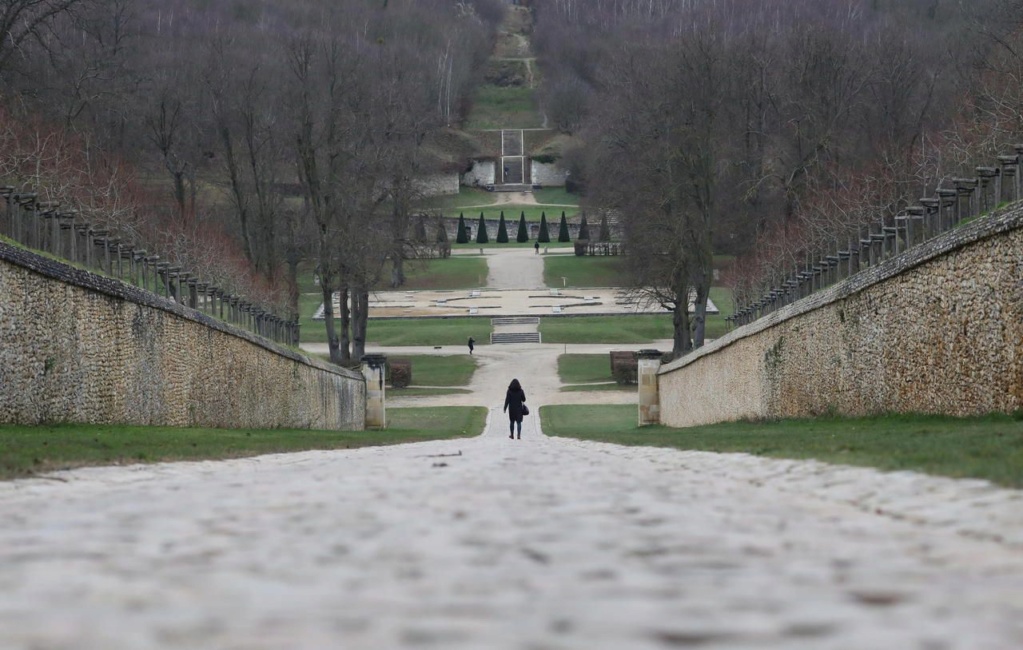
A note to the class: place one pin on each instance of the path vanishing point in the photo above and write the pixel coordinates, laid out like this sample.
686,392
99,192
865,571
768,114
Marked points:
539,543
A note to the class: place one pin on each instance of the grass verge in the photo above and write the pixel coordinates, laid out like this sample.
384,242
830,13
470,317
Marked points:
430,331
642,328
435,370
584,368
587,388
443,275
583,271
29,451
989,447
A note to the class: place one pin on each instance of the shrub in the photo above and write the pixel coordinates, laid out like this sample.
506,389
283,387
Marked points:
624,367
481,232
544,236
563,235
523,235
399,371
584,229
462,237
442,232
502,231
580,246
605,229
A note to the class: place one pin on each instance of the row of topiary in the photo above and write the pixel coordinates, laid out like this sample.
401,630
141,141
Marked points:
543,237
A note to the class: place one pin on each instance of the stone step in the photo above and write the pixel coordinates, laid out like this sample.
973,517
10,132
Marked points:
515,320
514,337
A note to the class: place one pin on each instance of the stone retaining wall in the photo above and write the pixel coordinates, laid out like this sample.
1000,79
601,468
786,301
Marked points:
79,347
937,329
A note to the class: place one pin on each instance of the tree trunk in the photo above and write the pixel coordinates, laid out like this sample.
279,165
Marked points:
333,345
680,320
397,272
700,315
345,357
360,319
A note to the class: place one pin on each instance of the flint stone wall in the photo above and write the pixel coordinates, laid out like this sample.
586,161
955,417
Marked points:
79,347
937,329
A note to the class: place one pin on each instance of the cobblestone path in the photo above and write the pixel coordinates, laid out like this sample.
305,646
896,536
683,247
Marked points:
539,543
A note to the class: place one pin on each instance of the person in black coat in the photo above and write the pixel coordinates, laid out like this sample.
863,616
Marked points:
513,406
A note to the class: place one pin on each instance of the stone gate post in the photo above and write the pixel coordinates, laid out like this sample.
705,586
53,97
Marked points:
373,369
648,362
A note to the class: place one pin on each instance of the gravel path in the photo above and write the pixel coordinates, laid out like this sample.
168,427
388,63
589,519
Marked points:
515,268
498,543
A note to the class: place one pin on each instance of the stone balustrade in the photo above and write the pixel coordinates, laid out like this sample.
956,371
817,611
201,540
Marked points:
966,199
44,226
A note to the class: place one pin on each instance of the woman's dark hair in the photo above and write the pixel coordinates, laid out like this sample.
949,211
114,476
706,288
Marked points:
515,385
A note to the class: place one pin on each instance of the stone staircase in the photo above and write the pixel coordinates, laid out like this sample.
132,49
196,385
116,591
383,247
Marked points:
514,337
515,329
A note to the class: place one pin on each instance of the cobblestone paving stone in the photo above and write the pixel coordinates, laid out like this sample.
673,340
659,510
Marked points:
539,543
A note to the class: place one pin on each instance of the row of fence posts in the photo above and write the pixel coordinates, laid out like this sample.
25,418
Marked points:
967,198
44,226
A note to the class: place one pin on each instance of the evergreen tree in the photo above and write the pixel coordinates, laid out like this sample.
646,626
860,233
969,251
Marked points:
502,231
563,235
584,230
421,228
462,238
523,235
442,232
481,232
605,229
544,236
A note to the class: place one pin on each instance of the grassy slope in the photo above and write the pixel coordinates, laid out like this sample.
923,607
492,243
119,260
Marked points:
26,451
988,447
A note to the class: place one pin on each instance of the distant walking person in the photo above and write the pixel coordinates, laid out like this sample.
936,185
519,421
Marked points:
514,405
536,248
472,342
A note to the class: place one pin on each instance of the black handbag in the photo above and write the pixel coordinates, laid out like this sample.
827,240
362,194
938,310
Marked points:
525,410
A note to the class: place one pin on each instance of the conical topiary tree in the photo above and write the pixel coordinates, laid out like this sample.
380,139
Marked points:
502,231
462,237
421,228
481,232
584,229
563,235
543,237
523,235
442,232
605,229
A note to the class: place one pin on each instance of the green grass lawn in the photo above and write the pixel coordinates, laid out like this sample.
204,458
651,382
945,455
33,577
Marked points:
556,196
988,447
584,368
435,370
642,328
584,271
449,203
27,451
449,274
503,108
430,331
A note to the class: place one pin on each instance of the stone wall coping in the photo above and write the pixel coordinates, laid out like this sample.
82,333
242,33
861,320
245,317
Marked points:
993,224
89,281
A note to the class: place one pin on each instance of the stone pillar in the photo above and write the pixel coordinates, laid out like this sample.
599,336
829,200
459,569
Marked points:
648,363
373,369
